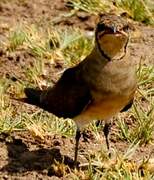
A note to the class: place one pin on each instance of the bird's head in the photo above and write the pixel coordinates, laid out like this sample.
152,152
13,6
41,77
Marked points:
112,36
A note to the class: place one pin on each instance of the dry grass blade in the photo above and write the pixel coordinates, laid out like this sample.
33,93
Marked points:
138,10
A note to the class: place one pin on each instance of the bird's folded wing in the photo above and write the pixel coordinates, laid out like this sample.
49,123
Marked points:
68,97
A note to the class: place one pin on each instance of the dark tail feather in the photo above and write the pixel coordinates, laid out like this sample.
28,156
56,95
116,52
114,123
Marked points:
33,96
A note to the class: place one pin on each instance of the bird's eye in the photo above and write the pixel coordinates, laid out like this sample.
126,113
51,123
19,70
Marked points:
100,27
126,28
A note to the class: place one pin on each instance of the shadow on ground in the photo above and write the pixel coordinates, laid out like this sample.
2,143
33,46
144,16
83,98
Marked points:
21,159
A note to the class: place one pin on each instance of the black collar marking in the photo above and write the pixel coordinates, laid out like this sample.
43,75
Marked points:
105,55
102,52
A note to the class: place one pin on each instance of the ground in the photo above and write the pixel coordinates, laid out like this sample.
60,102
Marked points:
27,154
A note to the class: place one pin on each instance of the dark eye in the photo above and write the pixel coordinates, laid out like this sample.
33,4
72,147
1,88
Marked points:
126,28
100,27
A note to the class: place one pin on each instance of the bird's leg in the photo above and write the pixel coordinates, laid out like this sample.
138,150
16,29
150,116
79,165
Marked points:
99,123
106,131
77,138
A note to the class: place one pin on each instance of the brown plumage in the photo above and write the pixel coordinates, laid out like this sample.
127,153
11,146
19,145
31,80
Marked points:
99,87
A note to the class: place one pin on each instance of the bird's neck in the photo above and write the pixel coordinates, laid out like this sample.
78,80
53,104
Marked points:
97,56
95,62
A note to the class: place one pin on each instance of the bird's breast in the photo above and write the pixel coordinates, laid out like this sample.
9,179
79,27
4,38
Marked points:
112,88
114,78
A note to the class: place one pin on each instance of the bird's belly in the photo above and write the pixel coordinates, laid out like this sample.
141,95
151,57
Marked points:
106,108
102,110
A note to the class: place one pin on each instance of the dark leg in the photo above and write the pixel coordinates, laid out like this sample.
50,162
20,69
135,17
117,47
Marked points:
106,131
77,138
98,123
85,135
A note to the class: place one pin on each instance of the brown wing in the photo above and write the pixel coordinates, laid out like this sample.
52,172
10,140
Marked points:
128,106
68,97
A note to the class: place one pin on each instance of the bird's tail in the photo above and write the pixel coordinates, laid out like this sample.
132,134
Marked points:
32,96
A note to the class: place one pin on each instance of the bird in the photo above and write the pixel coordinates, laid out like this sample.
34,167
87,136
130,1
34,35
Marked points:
99,87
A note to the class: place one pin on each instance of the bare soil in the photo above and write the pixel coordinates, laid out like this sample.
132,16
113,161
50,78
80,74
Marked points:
21,156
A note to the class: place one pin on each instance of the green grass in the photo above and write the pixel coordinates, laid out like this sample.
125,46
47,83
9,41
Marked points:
16,38
142,113
8,120
51,43
90,6
138,10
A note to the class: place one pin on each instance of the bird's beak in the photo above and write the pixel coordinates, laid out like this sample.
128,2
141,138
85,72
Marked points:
114,29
